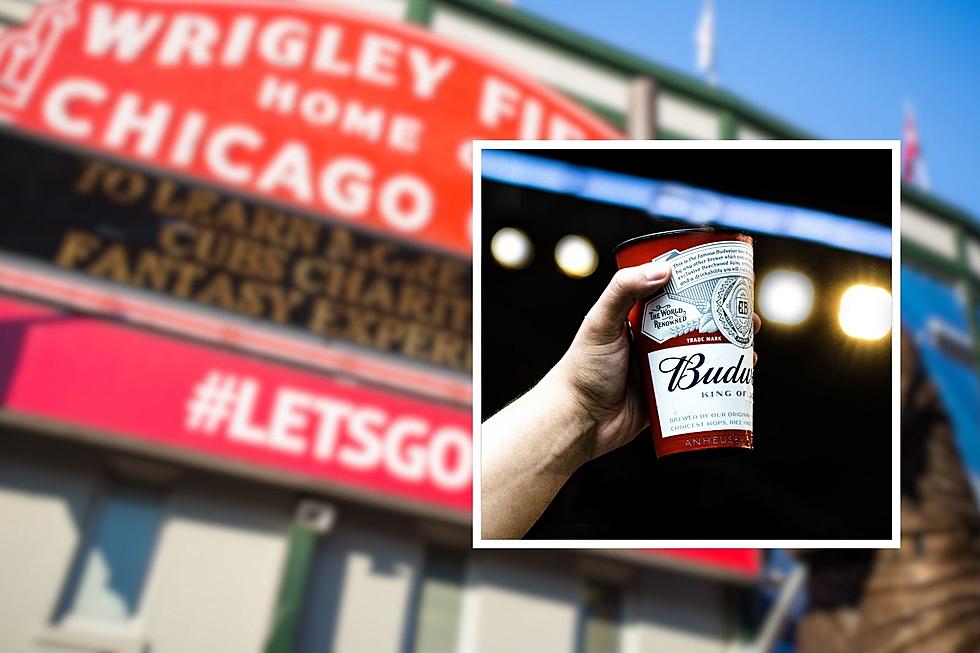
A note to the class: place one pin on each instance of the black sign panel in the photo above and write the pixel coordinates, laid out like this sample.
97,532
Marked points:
140,229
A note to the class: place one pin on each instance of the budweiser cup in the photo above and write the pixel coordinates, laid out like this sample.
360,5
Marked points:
693,339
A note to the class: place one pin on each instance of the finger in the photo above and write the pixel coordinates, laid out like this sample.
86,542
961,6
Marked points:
755,358
605,319
756,322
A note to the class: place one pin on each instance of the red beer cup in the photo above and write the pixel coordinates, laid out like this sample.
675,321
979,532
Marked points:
693,339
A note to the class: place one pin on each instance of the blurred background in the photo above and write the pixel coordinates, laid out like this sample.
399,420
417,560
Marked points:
146,505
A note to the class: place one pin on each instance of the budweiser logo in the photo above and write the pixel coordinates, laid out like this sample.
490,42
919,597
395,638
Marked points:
686,372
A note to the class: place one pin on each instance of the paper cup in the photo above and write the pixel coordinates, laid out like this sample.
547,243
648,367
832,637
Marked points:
693,339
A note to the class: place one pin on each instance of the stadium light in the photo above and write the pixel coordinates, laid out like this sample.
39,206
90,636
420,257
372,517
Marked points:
786,297
511,248
576,256
865,312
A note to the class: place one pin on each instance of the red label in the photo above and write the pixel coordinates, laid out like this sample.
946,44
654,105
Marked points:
136,385
338,112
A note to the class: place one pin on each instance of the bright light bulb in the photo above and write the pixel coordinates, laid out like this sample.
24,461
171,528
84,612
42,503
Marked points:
786,297
576,256
866,312
511,248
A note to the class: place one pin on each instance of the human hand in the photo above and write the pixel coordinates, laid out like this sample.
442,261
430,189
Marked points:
588,404
596,369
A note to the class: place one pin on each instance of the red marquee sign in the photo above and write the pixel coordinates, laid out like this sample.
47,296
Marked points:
234,409
355,118
132,385
359,119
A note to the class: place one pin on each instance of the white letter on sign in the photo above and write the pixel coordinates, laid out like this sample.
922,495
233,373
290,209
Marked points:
343,185
286,416
364,428
283,42
498,101
289,169
444,441
239,428
392,200
408,465
127,34
190,34
223,140
148,127
378,59
277,95
427,74
332,414
55,108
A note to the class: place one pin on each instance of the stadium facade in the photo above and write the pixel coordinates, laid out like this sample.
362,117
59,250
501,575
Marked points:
131,528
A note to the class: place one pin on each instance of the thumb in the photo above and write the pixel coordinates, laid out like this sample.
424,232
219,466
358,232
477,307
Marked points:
604,322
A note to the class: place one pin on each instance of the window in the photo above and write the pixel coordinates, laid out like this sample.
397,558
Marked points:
601,618
440,598
111,567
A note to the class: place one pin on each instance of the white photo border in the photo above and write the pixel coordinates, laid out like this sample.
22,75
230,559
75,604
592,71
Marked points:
894,542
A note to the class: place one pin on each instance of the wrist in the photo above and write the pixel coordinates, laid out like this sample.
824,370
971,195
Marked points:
577,422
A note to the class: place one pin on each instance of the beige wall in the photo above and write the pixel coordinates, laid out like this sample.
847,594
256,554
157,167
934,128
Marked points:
678,614
41,510
212,582
515,602
530,602
217,570
361,588
388,8
220,552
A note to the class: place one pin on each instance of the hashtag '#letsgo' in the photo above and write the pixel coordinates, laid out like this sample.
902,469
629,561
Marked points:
330,430
214,400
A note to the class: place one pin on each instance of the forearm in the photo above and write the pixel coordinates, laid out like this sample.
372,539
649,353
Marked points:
578,411
529,449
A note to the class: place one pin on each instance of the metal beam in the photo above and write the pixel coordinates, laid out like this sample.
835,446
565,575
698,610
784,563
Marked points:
641,118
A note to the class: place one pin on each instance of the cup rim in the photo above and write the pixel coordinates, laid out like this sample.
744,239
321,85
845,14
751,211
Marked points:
675,232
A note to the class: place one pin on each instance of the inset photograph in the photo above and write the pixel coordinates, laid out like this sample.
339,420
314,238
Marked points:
686,344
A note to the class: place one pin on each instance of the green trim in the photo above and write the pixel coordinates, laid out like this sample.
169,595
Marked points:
932,204
952,270
970,300
420,12
613,117
917,254
289,602
971,304
626,62
761,129
669,135
729,126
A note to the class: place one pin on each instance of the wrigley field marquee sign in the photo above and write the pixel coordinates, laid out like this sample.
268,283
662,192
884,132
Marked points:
295,174
356,118
297,168
141,230
360,128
